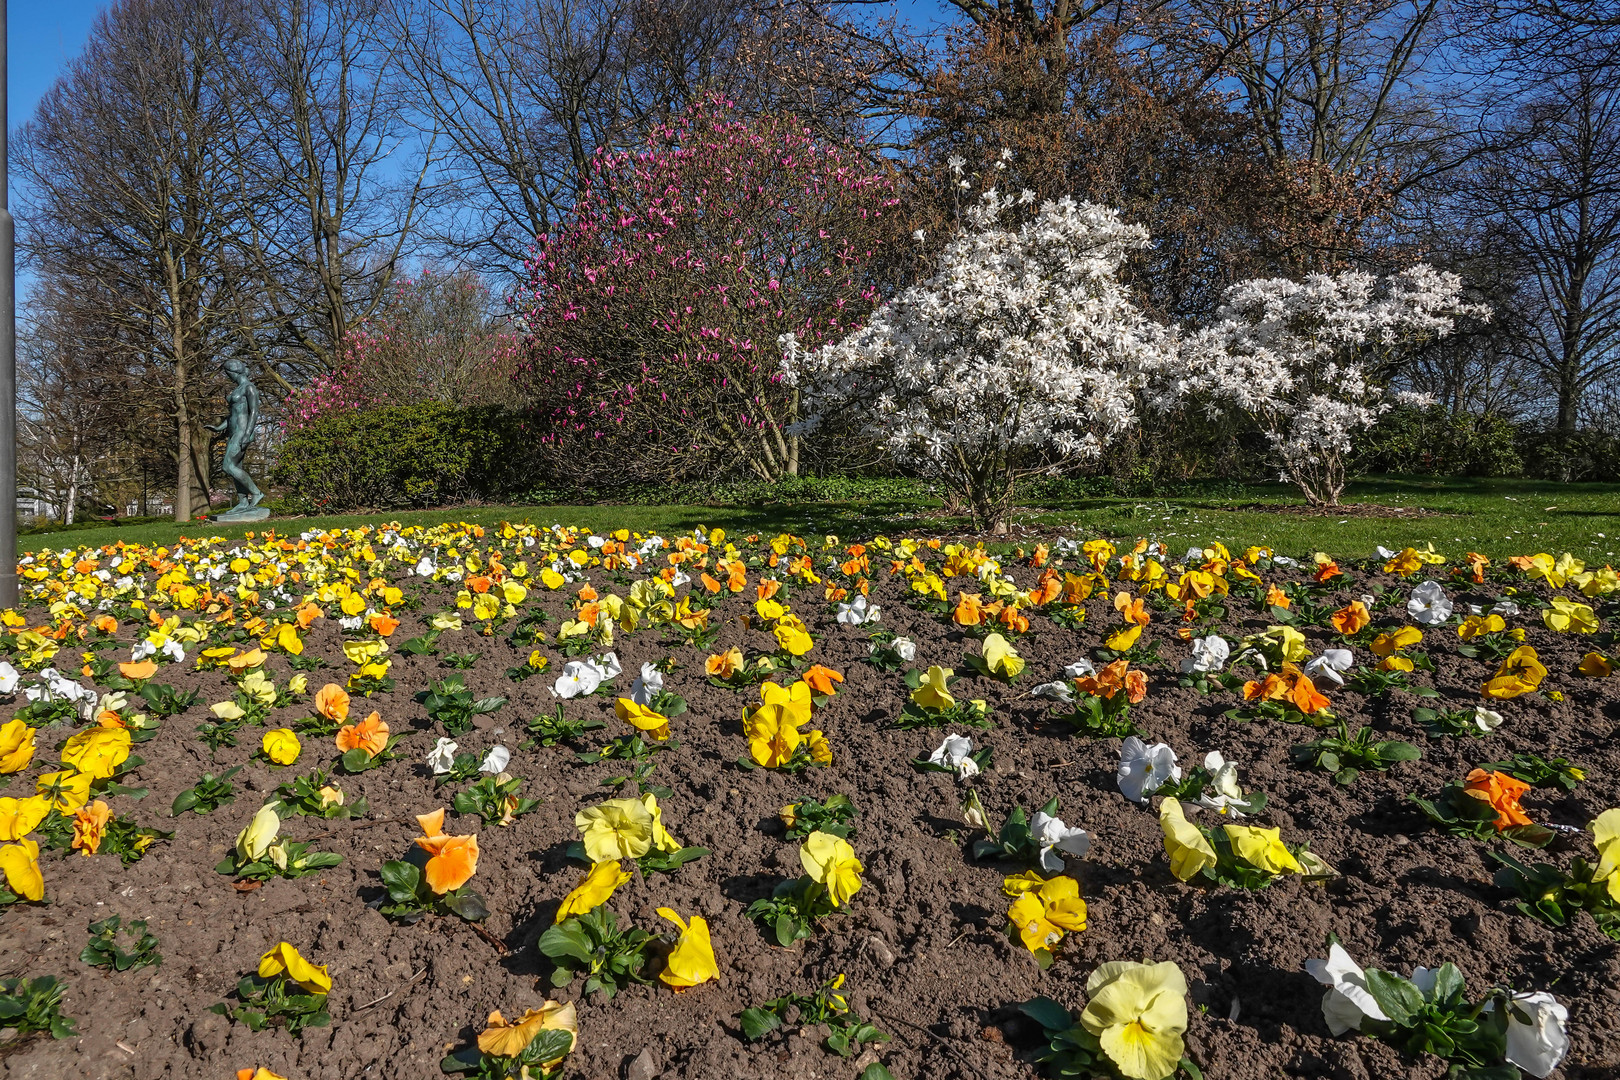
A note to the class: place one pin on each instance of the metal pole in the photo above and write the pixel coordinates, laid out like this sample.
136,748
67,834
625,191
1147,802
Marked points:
8,353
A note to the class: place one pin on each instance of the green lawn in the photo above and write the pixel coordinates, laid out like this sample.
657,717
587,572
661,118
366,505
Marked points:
1496,517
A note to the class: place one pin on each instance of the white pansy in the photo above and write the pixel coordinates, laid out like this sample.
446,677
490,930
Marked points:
1056,691
1208,654
1537,1032
1143,769
1080,669
442,756
8,678
606,665
1487,720
953,754
647,685
1429,604
578,678
1329,665
1348,1001
859,612
1053,836
496,760
1223,793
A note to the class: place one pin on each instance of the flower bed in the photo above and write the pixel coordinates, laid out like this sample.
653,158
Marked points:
391,801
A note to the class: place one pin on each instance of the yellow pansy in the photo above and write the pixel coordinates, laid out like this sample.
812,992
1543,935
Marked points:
590,894
1262,848
1189,850
286,960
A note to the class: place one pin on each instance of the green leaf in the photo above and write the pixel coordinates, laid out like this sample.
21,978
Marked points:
1448,983
756,1023
356,760
468,904
876,1071
1400,1000
1395,750
402,879
566,939
467,1059
550,1043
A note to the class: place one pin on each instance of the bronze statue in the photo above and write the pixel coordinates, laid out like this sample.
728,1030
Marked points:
239,428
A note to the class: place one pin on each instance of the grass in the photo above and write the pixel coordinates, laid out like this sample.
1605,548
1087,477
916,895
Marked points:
1495,517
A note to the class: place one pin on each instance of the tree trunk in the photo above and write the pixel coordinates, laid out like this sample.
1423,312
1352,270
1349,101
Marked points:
72,492
182,414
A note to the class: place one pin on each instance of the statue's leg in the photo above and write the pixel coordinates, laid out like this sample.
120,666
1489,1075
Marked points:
247,492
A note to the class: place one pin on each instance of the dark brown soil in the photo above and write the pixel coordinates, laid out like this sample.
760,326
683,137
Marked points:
922,944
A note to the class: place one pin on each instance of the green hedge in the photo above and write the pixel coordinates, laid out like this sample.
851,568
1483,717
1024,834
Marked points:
1436,442
405,456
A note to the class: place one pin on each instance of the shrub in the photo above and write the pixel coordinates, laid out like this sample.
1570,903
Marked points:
656,303
403,456
1302,361
1582,456
1019,357
1438,442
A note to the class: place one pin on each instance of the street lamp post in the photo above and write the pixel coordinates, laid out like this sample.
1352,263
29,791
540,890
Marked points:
8,354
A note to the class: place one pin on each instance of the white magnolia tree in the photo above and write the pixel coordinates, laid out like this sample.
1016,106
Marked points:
1302,360
1022,354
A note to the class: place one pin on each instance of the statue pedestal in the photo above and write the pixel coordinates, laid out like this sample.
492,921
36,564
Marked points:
246,513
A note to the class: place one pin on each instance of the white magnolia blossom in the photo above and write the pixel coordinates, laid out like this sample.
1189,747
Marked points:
1330,665
1348,1001
442,756
1054,836
496,760
1023,343
953,754
1429,604
578,679
1300,359
859,612
647,685
1537,1032
1208,654
1143,769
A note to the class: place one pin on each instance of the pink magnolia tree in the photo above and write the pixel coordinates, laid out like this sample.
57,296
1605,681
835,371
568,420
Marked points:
656,306
436,340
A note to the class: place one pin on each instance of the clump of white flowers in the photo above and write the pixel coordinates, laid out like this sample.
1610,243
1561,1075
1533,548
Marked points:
1301,358
1020,355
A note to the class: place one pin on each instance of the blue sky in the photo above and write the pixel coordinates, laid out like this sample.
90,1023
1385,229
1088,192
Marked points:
46,34
43,35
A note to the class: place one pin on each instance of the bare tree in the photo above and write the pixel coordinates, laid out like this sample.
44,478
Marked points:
128,191
335,170
1340,86
1551,206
